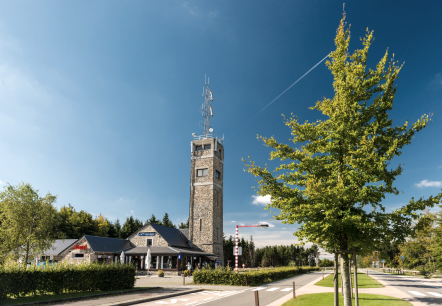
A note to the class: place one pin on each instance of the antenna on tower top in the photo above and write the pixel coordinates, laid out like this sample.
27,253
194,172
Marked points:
206,109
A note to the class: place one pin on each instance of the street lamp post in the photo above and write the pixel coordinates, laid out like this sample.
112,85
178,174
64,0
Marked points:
236,240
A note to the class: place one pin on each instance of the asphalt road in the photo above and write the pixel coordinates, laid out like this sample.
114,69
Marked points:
426,292
243,296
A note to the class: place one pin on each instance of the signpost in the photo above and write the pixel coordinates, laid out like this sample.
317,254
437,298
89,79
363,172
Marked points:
383,263
236,242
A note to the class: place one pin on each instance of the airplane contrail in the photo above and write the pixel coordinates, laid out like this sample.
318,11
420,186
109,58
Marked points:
293,84
284,91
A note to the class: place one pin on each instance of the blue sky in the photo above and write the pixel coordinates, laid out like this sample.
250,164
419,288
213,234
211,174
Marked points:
99,99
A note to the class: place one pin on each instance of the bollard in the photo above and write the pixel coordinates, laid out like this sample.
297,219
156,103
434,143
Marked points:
256,298
184,280
322,274
367,271
294,292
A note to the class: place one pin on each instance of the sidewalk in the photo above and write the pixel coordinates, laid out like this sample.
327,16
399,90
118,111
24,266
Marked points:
132,298
387,290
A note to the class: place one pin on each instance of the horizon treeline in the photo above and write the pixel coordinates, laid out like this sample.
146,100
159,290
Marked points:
73,224
268,256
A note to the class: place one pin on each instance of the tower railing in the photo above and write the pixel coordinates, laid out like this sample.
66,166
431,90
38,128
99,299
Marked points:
208,136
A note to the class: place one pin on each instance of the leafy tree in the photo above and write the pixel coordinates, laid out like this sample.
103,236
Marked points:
102,226
166,221
153,220
437,245
342,164
325,263
75,224
26,221
418,250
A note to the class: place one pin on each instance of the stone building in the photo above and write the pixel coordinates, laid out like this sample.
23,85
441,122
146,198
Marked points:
206,195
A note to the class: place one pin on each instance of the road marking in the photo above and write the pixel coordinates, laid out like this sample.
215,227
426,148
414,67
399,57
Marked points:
417,293
430,284
287,289
259,288
173,301
435,293
273,289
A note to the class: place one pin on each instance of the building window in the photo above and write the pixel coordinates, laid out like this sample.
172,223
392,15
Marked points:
78,255
149,242
218,174
199,148
207,147
202,172
219,151
201,225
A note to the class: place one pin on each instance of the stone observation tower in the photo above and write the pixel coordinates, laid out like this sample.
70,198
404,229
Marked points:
206,185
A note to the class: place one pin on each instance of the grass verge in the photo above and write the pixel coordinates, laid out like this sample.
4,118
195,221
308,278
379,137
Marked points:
327,299
364,281
51,297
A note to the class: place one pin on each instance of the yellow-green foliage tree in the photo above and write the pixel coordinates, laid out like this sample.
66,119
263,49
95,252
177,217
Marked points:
418,250
333,180
27,221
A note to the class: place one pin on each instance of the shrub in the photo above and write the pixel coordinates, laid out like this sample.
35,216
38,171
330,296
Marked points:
18,280
160,272
227,277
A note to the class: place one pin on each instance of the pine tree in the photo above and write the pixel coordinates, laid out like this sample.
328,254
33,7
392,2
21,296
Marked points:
154,220
166,221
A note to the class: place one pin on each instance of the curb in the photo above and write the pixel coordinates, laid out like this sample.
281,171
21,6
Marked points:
138,301
87,297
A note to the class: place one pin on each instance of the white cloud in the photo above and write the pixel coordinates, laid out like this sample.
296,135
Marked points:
265,222
132,212
260,200
121,199
426,183
233,221
1,182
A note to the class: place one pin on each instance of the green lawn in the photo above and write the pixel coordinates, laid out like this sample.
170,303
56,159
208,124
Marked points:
364,281
50,297
327,299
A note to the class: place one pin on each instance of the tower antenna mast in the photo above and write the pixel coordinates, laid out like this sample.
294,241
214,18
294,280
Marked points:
206,109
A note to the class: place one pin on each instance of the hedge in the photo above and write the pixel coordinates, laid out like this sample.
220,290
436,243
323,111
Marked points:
227,277
19,281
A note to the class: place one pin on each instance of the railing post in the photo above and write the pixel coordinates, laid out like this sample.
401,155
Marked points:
256,298
294,291
184,280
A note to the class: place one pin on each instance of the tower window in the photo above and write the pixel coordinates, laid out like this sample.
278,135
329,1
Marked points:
202,172
218,174
199,148
207,147
201,225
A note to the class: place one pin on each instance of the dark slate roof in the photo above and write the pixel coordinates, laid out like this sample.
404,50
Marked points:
164,250
59,246
185,232
106,244
171,235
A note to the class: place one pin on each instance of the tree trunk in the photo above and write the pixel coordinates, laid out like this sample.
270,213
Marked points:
351,287
356,277
346,280
335,281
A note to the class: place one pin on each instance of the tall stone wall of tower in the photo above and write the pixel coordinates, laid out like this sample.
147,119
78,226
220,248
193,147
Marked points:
206,197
